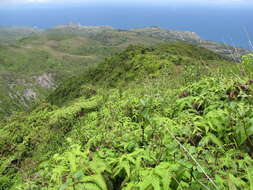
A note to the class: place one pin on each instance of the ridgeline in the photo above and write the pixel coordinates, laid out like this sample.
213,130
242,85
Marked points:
169,116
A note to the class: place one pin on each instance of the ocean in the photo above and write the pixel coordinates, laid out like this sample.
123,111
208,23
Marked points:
232,25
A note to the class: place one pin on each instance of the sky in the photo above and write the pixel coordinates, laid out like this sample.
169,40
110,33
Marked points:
217,2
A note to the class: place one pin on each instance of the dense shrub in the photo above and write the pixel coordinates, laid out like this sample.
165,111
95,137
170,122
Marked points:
140,121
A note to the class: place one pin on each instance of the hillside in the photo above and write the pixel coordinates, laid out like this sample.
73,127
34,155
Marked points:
171,116
28,74
12,34
224,49
34,62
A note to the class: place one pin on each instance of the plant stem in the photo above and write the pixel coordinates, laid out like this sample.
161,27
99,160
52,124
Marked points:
201,168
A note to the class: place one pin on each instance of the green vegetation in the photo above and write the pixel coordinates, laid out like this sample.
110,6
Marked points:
173,116
34,70
11,34
186,36
33,62
50,57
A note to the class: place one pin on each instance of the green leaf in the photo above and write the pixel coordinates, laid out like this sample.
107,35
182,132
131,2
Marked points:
144,185
78,175
215,140
250,176
231,184
156,182
63,187
250,128
97,180
127,168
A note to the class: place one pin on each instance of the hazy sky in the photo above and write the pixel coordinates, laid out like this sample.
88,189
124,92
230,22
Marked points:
133,1
13,4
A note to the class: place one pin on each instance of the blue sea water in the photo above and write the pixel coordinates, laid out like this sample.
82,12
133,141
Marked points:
233,25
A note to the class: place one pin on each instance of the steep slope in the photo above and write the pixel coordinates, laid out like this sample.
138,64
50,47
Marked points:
39,60
175,116
28,74
35,64
138,63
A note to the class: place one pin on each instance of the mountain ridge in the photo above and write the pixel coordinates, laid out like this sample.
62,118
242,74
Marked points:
144,118
63,51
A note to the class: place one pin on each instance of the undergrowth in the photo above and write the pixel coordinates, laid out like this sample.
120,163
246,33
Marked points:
184,122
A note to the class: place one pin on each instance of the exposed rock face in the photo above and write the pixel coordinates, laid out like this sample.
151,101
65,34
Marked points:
30,94
24,91
45,80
